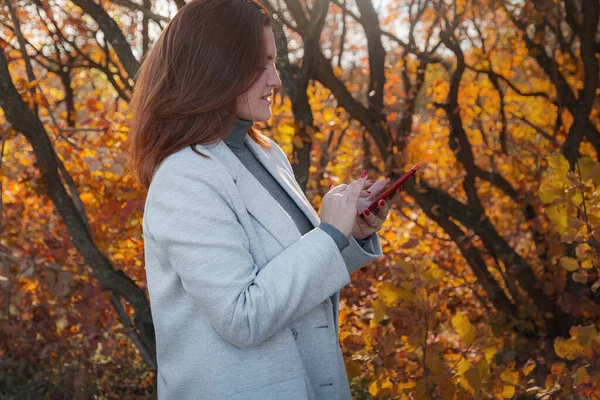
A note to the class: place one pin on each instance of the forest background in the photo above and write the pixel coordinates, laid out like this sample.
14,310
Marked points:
488,287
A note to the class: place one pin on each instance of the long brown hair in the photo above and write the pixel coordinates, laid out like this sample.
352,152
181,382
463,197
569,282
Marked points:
185,94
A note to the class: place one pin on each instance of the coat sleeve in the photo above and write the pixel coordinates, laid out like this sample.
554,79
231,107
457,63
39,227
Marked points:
356,255
359,252
188,215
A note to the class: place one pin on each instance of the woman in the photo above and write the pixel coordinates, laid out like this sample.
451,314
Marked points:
243,274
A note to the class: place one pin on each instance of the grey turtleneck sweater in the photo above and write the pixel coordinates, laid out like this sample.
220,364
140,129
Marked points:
236,142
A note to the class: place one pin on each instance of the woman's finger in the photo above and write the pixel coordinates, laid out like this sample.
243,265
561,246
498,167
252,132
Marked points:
369,217
382,210
352,192
338,189
367,186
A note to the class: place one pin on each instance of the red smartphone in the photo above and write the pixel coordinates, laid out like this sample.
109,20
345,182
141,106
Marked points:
393,188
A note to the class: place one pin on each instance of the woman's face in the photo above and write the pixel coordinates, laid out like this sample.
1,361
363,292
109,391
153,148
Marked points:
255,104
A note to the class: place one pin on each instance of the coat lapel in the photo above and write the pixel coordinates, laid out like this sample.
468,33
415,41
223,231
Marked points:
271,162
258,201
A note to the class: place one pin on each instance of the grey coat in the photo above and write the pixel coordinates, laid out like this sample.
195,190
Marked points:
244,306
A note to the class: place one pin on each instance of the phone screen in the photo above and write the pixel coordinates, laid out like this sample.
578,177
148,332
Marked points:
393,188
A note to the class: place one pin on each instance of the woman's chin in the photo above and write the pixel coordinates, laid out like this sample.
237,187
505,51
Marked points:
262,117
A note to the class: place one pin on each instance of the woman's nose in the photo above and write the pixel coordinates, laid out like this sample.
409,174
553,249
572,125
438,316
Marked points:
274,80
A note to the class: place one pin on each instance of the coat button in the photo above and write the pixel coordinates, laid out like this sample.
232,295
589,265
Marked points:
295,333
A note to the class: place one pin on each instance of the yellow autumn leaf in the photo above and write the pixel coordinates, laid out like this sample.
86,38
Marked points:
390,294
406,385
557,213
508,391
337,71
390,235
379,310
462,381
31,84
590,169
581,376
463,327
511,377
548,192
286,129
25,161
568,263
587,263
328,114
385,386
86,197
373,389
528,367
585,334
474,379
575,196
484,370
568,349
489,353
558,162
463,366
434,274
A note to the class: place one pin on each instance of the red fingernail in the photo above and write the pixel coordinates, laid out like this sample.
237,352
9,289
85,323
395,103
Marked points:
330,185
364,174
381,203
371,181
368,191
367,212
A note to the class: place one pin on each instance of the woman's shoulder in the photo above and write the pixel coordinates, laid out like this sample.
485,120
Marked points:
187,160
185,165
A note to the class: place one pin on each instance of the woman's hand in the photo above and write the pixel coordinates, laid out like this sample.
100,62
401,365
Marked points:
368,222
339,205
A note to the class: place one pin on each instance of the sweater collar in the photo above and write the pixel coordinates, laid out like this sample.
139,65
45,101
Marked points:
237,133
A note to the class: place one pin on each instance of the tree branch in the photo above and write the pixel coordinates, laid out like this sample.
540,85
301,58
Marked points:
113,34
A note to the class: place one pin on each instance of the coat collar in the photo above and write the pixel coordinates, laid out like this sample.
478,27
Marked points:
258,201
